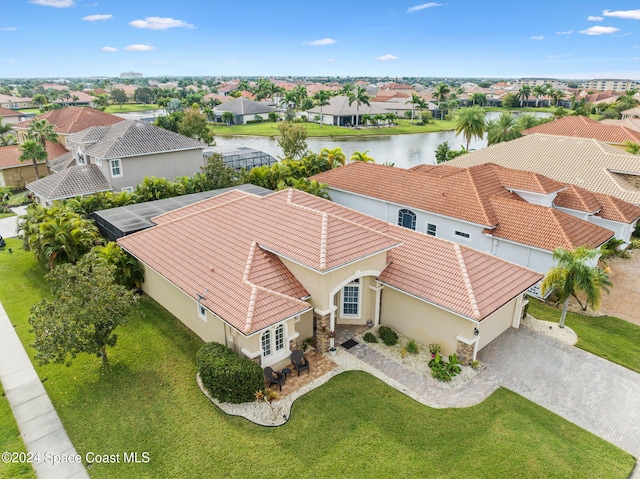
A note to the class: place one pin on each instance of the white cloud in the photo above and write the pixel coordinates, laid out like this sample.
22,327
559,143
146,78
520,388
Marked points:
8,29
139,48
53,3
633,14
230,61
160,23
568,32
109,49
537,37
417,8
599,30
386,57
321,42
593,18
97,18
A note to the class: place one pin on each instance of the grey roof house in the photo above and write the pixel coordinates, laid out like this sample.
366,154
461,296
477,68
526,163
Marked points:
117,157
339,113
243,109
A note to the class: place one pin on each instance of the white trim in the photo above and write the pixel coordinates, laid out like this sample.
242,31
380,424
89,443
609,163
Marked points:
202,311
275,355
461,235
357,285
111,167
426,229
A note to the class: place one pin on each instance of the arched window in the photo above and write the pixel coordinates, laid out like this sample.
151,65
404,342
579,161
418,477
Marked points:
407,218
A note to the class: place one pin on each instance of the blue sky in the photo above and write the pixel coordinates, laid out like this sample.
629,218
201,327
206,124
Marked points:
448,38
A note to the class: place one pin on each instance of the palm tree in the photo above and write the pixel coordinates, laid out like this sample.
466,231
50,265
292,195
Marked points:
43,131
321,99
32,150
363,157
523,94
557,95
347,89
415,99
128,271
526,121
39,99
360,96
470,123
479,98
572,275
440,93
227,117
503,129
538,91
631,147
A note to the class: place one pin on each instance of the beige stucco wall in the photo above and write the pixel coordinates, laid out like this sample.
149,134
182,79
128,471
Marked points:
367,304
494,325
320,286
21,175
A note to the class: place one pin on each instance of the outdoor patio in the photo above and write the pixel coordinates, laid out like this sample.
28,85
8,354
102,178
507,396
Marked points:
319,366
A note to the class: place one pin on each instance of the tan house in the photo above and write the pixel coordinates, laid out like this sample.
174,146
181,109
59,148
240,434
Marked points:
67,121
260,274
15,102
17,174
9,117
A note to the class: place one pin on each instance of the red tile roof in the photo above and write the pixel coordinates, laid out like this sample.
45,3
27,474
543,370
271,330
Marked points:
233,249
583,127
74,119
5,112
10,155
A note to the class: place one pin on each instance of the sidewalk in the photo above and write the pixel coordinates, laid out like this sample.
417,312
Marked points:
9,226
38,422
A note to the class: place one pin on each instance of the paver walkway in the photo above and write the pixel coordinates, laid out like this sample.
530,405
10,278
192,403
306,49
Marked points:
39,424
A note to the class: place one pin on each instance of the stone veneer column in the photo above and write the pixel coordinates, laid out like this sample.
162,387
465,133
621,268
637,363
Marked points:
322,326
465,350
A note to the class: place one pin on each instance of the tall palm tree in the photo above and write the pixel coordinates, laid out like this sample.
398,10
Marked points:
479,98
557,95
32,150
43,131
415,99
359,96
572,275
470,123
523,94
538,91
440,93
321,99
362,156
526,121
505,128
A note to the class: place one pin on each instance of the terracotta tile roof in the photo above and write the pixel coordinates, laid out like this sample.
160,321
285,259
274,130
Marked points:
199,206
452,276
588,163
5,112
73,119
579,199
617,210
583,127
233,249
77,180
10,155
544,228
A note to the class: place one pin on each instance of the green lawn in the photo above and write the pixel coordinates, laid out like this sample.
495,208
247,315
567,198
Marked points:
354,426
10,441
7,215
268,128
606,336
129,107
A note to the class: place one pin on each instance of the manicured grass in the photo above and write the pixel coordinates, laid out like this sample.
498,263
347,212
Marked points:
606,336
129,107
10,441
7,215
354,426
268,128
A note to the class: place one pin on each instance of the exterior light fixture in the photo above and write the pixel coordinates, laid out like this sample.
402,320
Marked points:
476,331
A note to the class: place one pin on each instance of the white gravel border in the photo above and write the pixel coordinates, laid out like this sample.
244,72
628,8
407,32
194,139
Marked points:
549,328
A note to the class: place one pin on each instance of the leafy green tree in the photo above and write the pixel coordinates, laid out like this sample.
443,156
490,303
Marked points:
118,95
292,140
321,99
218,174
523,94
362,157
144,95
445,153
153,188
526,121
557,95
195,125
101,101
573,275
505,128
335,156
538,91
87,305
227,117
174,106
127,270
170,122
32,150
631,147
440,94
479,99
42,131
39,99
470,123
509,100
359,96
560,112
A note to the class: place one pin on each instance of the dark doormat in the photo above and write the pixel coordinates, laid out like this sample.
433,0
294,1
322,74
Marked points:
349,344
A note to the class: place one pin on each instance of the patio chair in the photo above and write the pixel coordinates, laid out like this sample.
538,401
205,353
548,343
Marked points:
274,377
300,362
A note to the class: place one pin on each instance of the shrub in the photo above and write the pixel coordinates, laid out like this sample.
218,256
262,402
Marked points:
442,370
412,347
388,336
309,342
370,338
227,376
434,348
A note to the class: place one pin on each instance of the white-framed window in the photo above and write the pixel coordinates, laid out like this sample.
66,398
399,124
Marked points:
351,299
202,311
431,229
128,189
407,218
273,341
116,168
462,234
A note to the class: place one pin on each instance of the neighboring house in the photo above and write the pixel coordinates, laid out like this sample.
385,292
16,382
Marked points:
260,274
15,103
518,216
588,163
76,98
240,157
631,113
118,157
9,117
340,113
583,127
17,174
243,110
67,121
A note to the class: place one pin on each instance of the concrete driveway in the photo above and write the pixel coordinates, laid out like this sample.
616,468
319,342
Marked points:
589,391
9,226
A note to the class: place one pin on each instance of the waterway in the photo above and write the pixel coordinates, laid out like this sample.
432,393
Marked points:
403,151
